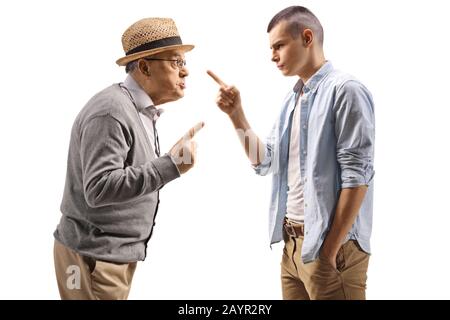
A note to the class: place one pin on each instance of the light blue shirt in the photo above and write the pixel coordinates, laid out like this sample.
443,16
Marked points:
337,132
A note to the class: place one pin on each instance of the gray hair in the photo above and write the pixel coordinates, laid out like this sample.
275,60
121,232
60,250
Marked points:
131,66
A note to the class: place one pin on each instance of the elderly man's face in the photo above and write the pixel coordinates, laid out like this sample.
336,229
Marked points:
168,76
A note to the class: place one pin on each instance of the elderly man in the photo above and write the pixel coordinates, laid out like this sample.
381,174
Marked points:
321,155
115,170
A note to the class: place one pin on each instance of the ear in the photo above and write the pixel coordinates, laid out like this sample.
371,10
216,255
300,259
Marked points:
308,37
143,67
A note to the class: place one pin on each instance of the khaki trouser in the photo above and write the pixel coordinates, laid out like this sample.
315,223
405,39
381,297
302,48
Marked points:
319,280
84,278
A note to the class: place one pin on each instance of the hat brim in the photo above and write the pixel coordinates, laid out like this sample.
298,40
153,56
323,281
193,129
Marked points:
138,55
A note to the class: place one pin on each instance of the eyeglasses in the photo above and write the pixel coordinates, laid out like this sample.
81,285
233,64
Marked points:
179,63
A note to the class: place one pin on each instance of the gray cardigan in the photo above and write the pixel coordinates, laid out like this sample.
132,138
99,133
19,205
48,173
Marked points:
113,179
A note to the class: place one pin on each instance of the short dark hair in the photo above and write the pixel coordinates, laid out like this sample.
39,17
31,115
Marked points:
299,18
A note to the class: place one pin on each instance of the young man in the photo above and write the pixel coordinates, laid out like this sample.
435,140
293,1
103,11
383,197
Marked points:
115,171
321,154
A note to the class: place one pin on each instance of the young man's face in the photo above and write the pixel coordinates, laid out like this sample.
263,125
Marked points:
290,55
168,75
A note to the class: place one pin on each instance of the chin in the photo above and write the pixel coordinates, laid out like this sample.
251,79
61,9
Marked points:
180,94
288,72
176,97
285,71
176,94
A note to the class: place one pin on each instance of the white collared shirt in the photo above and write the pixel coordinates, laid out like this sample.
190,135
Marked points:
145,106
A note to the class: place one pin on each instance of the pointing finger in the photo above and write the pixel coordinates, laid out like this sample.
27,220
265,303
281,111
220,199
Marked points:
216,78
193,131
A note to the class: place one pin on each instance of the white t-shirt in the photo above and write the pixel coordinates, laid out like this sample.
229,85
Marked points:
295,199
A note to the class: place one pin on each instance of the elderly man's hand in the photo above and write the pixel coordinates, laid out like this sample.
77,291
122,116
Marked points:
228,99
184,151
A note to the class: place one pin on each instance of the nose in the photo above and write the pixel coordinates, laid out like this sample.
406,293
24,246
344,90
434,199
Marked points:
184,72
275,57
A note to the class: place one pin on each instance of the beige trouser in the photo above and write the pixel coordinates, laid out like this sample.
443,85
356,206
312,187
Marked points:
319,280
84,278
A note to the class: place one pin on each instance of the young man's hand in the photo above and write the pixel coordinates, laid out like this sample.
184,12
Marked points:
185,150
228,99
329,256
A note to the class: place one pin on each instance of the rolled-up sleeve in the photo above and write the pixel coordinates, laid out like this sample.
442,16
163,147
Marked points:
266,165
355,134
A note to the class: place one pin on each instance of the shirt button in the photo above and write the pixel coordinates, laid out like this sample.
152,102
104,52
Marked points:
304,127
304,152
306,205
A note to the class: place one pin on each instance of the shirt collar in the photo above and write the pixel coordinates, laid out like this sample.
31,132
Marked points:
142,100
313,83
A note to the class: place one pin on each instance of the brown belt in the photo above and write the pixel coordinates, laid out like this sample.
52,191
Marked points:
294,229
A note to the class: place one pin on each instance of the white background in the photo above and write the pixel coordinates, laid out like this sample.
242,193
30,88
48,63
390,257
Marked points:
211,238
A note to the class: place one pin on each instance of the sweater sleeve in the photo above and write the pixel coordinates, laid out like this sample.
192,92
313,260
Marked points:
107,179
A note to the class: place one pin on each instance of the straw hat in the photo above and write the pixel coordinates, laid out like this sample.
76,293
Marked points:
150,36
